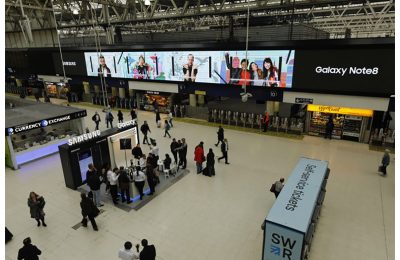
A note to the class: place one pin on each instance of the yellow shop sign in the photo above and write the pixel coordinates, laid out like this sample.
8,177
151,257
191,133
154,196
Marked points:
340,110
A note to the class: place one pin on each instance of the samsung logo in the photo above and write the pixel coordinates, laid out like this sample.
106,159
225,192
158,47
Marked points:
84,137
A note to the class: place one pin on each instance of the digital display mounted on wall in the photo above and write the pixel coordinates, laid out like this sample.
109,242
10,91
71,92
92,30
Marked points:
273,68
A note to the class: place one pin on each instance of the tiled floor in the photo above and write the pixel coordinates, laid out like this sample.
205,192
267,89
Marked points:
214,218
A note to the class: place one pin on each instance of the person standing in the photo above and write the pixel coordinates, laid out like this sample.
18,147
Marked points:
182,150
110,119
89,210
148,252
265,121
385,161
137,152
28,251
224,150
113,178
36,204
133,114
329,128
278,187
199,157
139,177
211,163
166,128
124,185
127,253
145,129
174,145
151,178
94,183
220,135
167,162
96,119
120,116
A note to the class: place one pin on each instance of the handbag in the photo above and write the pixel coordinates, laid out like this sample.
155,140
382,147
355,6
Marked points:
272,189
380,168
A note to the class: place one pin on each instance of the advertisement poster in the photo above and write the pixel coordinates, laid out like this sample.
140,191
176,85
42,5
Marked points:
272,68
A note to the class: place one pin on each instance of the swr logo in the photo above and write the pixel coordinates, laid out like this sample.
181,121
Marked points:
287,246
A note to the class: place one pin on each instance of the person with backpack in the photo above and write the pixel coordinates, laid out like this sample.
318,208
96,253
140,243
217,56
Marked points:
124,185
167,127
36,204
94,183
145,129
120,116
96,119
220,135
148,252
89,210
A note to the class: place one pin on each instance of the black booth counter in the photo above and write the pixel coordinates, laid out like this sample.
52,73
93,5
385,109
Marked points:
94,147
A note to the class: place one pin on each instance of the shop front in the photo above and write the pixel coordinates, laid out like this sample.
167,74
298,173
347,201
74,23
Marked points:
349,123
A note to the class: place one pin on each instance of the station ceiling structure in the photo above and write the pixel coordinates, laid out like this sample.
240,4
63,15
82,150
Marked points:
341,19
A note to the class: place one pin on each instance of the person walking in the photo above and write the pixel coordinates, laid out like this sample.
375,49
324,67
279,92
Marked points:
110,119
166,128
120,116
137,152
139,178
199,157
127,253
133,114
385,161
124,185
145,129
28,251
278,186
220,135
329,128
265,121
112,177
158,119
94,183
148,252
89,210
224,150
170,118
36,204
210,163
182,151
96,118
174,145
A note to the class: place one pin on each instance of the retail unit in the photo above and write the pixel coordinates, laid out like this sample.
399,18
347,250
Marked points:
290,224
35,130
349,123
94,148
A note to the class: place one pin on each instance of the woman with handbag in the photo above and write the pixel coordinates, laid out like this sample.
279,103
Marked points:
89,210
36,204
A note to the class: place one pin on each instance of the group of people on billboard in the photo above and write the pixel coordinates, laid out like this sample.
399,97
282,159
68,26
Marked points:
267,68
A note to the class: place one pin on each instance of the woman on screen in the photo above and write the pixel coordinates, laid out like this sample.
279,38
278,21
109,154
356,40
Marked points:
141,69
238,76
270,73
190,69
256,75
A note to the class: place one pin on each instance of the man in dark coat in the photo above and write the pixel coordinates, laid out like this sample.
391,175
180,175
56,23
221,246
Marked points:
224,150
148,252
96,119
220,134
145,129
124,185
174,145
182,150
28,251
133,114
89,210
137,152
94,182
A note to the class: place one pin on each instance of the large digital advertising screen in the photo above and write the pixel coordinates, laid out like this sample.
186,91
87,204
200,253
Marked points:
273,68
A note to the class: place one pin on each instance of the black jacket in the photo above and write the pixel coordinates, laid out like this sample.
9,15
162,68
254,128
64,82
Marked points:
167,163
88,208
29,252
133,114
221,134
182,150
93,180
137,152
148,253
210,159
120,116
145,128
223,147
173,146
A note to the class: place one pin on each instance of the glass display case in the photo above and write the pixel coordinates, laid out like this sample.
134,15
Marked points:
318,124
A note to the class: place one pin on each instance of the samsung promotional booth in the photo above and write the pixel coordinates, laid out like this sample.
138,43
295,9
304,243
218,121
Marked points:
98,148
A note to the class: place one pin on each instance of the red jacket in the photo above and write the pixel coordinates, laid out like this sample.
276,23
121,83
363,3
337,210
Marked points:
199,154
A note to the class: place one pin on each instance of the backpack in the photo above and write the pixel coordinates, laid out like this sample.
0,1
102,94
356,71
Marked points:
167,126
94,118
272,189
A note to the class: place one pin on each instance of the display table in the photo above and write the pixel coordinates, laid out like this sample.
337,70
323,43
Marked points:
290,224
